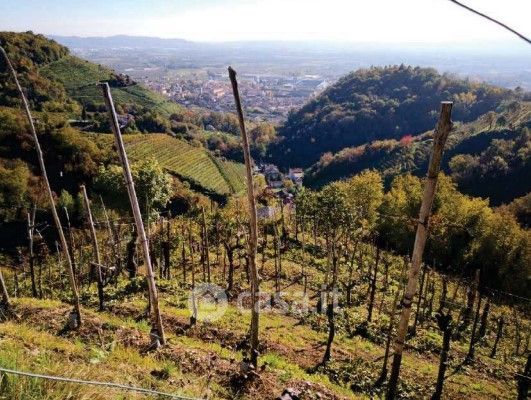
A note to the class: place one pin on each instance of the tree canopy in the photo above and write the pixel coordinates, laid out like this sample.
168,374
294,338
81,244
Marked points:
378,103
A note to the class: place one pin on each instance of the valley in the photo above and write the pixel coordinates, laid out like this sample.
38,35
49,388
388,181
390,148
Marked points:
267,252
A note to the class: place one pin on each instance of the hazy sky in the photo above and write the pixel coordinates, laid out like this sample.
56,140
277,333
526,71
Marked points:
395,21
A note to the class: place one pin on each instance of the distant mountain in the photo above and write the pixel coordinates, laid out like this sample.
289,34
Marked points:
121,41
375,104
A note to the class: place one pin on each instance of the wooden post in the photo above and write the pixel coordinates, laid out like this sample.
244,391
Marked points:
330,311
444,293
193,316
524,380
255,285
183,253
482,331
499,332
445,325
419,301
114,245
444,127
471,300
373,285
276,245
130,258
166,251
31,256
57,221
156,319
206,247
95,246
473,338
5,295
383,374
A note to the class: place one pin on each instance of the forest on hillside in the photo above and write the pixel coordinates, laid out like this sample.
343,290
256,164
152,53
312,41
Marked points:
376,104
488,157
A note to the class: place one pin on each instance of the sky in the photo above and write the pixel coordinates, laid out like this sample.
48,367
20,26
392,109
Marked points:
384,21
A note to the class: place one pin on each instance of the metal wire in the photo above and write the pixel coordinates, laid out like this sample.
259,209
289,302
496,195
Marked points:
95,383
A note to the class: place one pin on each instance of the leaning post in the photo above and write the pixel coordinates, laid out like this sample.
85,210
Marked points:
57,221
253,237
444,126
95,247
6,304
156,319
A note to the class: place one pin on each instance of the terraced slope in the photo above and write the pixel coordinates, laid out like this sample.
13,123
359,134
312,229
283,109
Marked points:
190,163
235,175
79,77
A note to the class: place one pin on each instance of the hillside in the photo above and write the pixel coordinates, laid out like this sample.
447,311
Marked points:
195,299
497,141
376,104
205,359
58,81
193,164
63,94
79,77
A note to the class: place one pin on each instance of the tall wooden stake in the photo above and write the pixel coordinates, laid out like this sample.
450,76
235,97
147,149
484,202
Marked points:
255,285
524,380
95,246
499,332
419,301
5,295
373,285
206,247
445,325
473,339
383,374
57,221
31,255
156,320
193,316
114,243
440,135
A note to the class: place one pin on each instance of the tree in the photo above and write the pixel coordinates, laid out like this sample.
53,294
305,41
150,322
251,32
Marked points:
262,135
399,208
152,122
14,177
153,186
334,221
364,194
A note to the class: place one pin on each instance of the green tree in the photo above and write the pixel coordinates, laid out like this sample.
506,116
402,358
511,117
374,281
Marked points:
152,122
334,221
153,186
14,177
400,209
364,193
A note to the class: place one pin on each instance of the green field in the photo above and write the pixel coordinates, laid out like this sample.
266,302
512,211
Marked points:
80,77
193,164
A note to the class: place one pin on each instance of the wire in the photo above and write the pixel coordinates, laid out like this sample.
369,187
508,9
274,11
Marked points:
492,20
95,383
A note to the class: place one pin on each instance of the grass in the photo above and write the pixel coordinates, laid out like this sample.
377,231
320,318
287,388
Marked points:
205,359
